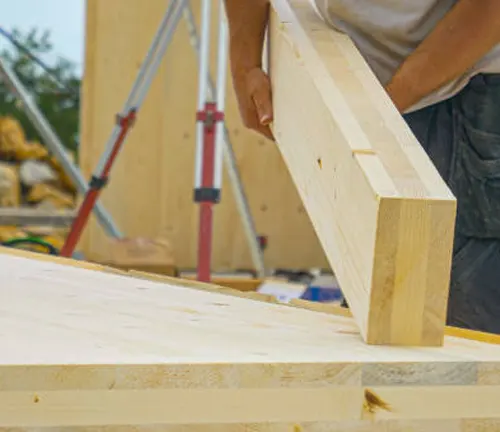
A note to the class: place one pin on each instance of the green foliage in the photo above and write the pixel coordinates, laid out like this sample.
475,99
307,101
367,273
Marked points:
57,99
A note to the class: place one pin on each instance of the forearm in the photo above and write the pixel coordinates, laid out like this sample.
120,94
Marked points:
463,37
247,20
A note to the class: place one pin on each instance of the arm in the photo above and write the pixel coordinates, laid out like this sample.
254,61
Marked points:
468,32
247,22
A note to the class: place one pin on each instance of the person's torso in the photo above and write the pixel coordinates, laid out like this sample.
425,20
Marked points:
387,31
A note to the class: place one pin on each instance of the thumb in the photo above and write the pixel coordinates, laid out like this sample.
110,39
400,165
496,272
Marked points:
262,99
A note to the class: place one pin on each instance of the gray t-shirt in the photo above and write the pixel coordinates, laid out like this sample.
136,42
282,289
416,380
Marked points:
387,31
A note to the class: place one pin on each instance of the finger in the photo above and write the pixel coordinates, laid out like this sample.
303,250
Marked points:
262,99
263,106
250,117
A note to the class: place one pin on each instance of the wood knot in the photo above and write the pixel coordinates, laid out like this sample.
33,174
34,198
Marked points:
374,403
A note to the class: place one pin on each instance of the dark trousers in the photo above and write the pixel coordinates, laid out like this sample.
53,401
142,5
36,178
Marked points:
462,137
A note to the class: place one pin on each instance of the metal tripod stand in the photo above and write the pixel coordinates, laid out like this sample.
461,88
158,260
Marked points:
212,135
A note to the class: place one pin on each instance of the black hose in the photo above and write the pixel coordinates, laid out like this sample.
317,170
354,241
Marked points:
33,241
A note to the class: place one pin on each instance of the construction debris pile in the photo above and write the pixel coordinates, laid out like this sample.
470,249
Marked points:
30,177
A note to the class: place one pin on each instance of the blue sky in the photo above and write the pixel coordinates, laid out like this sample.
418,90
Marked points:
64,18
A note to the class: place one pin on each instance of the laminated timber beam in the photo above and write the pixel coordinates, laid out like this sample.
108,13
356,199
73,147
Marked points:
383,214
86,348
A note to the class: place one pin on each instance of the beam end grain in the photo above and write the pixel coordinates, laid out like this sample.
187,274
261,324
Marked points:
410,280
383,215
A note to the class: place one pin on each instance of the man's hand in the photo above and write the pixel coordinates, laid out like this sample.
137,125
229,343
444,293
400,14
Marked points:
253,91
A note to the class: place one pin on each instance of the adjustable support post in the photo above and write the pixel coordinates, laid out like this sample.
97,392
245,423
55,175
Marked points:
210,128
207,193
98,181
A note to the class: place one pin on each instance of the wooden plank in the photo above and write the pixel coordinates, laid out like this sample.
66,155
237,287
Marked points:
111,66
360,426
239,284
84,348
33,216
150,190
384,216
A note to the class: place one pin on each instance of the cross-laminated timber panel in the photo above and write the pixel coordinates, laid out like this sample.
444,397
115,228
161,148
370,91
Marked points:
85,350
383,214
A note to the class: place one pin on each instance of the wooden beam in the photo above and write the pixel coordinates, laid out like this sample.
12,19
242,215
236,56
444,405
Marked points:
32,216
86,349
383,214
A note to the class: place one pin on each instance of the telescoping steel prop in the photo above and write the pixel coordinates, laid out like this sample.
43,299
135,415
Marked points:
209,136
125,121
231,164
